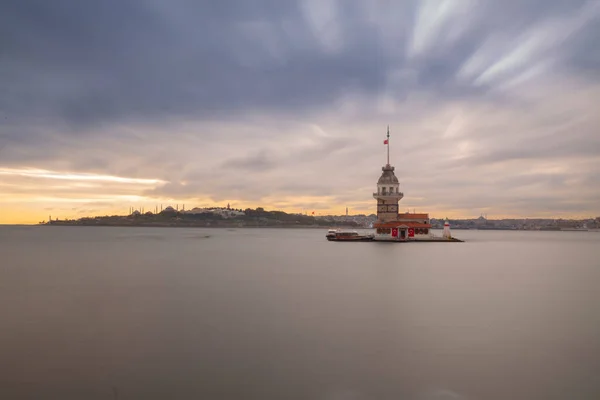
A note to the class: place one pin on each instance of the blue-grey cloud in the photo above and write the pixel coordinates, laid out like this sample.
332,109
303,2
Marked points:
84,62
89,62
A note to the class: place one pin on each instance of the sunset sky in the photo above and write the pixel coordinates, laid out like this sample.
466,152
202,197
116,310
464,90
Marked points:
493,106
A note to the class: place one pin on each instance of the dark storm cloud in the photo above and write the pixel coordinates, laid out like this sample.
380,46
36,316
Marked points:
87,62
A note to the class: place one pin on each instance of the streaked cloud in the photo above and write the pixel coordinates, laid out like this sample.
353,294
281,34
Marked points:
45,174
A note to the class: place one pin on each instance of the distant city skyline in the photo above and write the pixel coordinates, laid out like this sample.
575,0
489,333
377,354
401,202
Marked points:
285,105
260,217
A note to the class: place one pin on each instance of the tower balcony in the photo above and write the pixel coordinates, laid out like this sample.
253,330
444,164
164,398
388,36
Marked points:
388,195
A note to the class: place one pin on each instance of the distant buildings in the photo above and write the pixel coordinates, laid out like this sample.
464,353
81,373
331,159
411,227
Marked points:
528,224
224,212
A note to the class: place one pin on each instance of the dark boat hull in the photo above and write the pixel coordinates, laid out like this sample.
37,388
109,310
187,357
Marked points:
350,239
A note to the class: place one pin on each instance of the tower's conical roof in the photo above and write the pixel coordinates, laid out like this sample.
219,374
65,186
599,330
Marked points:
387,176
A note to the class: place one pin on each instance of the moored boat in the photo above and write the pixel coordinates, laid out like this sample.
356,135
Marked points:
347,236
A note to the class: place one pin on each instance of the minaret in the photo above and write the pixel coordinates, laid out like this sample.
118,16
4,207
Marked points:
388,194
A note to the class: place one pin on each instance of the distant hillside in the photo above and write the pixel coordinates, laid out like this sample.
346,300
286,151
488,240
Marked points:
214,218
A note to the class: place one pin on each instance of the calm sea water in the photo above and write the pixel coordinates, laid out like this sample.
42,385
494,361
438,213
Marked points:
160,313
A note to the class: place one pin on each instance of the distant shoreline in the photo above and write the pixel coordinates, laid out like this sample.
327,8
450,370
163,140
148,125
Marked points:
282,227
204,227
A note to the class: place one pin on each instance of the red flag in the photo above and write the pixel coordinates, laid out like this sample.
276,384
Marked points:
394,232
385,141
411,232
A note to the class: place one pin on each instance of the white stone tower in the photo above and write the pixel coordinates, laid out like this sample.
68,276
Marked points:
446,234
388,190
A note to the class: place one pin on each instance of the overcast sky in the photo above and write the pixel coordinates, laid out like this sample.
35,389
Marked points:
493,106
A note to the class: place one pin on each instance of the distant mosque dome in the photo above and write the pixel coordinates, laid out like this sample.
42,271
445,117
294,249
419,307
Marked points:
169,209
388,176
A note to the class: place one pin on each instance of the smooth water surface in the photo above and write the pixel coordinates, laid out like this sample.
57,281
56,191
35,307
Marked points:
167,313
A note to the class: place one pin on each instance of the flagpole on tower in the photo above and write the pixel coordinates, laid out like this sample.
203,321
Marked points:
388,145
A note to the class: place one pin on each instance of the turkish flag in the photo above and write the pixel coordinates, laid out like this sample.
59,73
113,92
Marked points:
411,232
395,232
385,141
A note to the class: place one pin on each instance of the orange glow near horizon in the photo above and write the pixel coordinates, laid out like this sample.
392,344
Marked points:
33,212
29,196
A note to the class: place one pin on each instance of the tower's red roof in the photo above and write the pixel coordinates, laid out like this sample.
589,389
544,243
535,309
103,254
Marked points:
395,224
